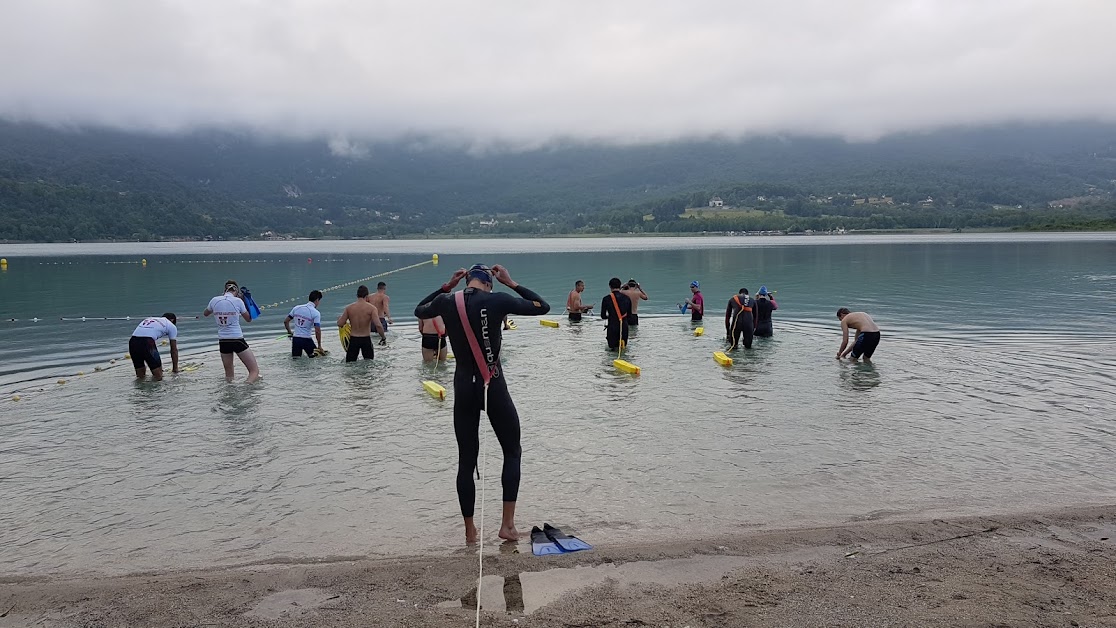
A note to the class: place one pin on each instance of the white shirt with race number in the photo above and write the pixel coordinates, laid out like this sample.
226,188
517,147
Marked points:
305,317
227,310
156,327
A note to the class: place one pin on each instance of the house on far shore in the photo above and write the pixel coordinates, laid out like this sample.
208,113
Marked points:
929,202
716,202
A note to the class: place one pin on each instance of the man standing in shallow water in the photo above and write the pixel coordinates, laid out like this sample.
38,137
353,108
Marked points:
382,302
361,316
573,303
472,322
635,294
867,334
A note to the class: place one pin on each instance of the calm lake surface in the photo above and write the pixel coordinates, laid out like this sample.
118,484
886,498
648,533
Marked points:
992,390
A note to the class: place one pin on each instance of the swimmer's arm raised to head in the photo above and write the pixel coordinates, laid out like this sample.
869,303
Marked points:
433,306
529,303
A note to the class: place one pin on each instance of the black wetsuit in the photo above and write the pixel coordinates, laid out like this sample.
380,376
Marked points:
617,329
763,310
486,312
738,320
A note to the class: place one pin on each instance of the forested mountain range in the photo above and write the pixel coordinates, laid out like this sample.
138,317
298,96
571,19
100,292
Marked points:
64,184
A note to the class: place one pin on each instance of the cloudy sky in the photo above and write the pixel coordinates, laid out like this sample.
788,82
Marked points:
528,71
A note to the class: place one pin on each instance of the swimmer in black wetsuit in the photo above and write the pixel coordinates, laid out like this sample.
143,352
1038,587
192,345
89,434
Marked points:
616,307
738,319
765,305
485,311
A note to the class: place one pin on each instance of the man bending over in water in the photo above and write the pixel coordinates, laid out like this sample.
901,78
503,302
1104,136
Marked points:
867,334
361,316
478,382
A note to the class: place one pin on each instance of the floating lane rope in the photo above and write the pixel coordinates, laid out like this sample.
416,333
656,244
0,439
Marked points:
85,319
347,284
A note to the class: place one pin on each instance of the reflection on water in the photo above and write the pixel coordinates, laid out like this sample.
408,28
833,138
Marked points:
859,375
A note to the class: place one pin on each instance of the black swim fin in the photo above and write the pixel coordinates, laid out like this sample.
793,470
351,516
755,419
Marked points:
541,545
567,543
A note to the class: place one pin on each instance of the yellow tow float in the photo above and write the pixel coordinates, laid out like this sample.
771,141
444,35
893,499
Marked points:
435,389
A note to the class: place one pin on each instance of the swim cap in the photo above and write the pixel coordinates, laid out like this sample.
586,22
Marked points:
693,284
479,271
763,290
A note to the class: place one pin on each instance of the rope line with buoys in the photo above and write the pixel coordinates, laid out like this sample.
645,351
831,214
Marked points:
85,319
433,260
145,262
186,367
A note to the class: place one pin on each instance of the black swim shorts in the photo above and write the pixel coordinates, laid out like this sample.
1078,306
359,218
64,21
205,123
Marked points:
575,317
433,342
865,345
299,345
232,345
633,320
144,351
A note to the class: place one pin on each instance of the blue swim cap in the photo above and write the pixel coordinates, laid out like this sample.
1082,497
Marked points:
763,290
693,284
481,272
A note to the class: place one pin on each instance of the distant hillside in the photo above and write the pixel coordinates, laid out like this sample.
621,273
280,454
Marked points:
98,184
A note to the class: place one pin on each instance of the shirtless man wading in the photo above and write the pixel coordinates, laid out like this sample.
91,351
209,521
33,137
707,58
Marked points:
867,334
573,302
383,304
361,316
433,333
635,292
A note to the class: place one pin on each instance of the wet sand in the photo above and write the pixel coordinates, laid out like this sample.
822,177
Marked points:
1041,569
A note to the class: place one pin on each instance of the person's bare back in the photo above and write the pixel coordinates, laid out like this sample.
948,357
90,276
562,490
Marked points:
860,321
636,294
362,317
381,301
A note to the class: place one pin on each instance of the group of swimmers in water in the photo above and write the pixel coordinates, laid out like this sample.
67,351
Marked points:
745,317
472,319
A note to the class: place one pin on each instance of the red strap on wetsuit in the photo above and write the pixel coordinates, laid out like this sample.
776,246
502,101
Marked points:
616,304
485,368
743,308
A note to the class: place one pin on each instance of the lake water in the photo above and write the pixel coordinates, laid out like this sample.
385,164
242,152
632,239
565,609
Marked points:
991,391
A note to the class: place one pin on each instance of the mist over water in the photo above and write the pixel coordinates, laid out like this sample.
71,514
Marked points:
991,391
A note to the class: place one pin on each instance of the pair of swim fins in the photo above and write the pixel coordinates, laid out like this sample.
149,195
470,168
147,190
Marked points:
551,540
250,303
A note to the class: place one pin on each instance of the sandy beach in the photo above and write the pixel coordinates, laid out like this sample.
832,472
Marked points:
1040,569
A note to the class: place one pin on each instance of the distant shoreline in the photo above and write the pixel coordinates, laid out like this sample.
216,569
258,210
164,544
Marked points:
555,236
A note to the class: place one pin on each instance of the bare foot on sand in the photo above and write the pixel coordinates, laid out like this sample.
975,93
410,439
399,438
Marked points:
509,533
470,534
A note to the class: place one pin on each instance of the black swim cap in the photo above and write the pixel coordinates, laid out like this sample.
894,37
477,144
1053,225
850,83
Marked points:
481,272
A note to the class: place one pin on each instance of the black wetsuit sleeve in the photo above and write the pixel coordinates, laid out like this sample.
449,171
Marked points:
529,303
728,317
427,308
604,307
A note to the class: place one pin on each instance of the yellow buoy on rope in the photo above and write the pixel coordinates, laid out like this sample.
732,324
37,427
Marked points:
625,366
722,358
435,389
434,259
699,331
548,323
